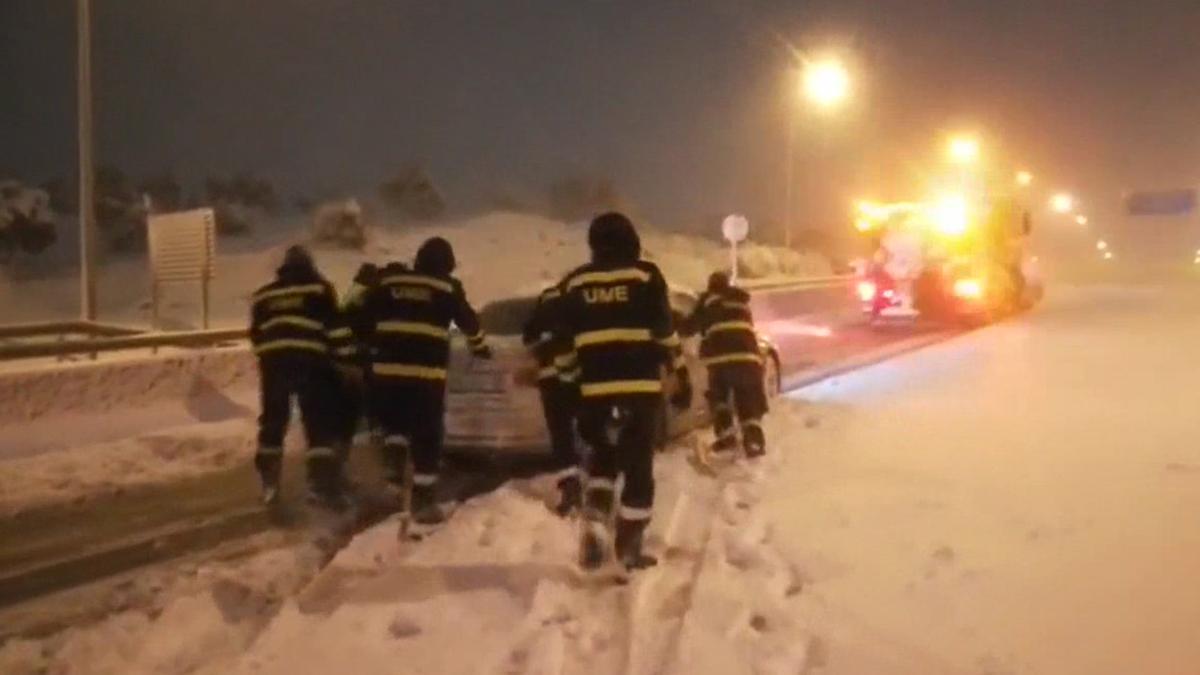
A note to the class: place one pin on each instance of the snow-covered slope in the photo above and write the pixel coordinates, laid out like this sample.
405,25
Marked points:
499,254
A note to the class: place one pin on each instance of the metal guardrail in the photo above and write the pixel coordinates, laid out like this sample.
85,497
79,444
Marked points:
795,284
99,337
51,329
144,340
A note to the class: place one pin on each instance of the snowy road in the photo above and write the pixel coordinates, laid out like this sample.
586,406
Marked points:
1023,499
1018,500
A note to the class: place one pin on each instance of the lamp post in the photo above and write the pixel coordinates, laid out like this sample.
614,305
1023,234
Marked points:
87,210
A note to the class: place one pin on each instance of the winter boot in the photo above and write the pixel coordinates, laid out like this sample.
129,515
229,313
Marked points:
629,545
268,461
570,495
426,510
595,545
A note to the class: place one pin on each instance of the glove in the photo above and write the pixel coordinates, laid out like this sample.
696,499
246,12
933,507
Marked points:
681,399
482,352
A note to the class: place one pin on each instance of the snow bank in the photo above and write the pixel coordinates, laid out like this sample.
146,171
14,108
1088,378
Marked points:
499,254
102,386
494,591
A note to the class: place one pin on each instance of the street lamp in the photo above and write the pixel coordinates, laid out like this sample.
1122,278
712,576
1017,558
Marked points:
1101,245
1062,203
963,149
1081,219
1024,178
825,83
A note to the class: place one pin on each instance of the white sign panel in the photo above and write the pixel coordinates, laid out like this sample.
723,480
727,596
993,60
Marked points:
735,228
182,245
182,249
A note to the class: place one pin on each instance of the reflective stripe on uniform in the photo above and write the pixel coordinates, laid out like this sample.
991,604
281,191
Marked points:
419,280
565,361
621,387
425,479
569,376
628,274
348,350
340,333
409,370
607,335
413,328
476,339
600,485
551,293
291,320
751,423
321,452
671,341
734,304
395,439
290,290
635,513
269,451
744,357
730,325
275,345
547,372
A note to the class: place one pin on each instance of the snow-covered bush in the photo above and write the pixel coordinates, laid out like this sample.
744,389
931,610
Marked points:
26,220
340,224
582,197
240,202
412,194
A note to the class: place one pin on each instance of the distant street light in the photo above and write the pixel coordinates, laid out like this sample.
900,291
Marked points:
826,84
963,149
1062,203
1102,245
1081,219
1024,178
1108,255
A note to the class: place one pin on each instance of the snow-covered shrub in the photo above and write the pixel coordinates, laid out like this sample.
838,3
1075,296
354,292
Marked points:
412,194
26,220
582,197
340,224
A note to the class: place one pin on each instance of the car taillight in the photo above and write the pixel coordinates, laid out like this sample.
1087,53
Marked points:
968,289
866,290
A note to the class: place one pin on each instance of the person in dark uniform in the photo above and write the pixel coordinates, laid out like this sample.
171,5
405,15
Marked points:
729,348
294,329
354,360
616,316
409,317
559,393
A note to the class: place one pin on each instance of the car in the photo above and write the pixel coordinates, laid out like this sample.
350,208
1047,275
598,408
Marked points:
493,405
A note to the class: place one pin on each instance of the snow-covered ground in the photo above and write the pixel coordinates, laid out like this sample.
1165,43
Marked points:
1018,500
499,254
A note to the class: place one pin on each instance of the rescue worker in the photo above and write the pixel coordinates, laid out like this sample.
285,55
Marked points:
409,316
729,349
559,393
294,330
615,314
355,359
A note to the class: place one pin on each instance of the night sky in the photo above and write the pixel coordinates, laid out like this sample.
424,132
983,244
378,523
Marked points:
683,102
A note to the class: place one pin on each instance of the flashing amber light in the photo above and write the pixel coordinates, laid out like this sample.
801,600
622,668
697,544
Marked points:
968,289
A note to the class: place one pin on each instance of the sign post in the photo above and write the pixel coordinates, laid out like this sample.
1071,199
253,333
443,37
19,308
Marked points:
182,249
734,228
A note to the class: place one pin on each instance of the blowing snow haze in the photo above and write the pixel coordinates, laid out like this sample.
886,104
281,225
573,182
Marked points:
684,105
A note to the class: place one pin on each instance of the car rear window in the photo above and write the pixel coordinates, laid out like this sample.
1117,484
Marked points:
506,317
